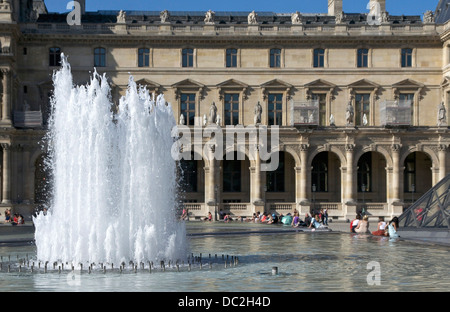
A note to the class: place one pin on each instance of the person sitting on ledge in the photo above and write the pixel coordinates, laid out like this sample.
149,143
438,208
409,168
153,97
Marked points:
355,223
363,226
381,228
307,220
315,223
208,218
392,228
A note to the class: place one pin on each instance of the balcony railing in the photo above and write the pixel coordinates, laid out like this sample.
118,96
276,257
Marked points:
395,113
28,119
305,113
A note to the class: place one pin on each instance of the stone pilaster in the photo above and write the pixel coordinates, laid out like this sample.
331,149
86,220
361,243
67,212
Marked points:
6,170
395,189
6,99
350,185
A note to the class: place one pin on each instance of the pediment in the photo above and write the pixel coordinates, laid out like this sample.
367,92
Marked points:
150,84
445,82
276,83
408,83
232,83
320,83
364,83
188,83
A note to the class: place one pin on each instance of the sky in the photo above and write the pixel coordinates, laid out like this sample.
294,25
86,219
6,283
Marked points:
394,7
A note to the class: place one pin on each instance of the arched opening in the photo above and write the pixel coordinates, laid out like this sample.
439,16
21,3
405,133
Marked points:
417,176
279,184
235,178
191,179
325,180
371,178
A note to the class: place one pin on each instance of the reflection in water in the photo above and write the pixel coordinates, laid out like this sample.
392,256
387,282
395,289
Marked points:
305,261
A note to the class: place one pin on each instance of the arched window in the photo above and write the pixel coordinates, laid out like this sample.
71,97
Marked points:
232,175
365,173
275,179
319,173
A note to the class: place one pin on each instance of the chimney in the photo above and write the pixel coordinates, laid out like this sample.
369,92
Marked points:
334,6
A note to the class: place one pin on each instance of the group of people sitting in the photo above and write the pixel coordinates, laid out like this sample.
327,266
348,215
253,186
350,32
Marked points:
361,226
16,219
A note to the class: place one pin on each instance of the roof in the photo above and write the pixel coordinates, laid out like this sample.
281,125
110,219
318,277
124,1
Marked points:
442,12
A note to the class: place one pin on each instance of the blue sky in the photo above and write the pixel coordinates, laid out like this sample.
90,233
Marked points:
394,7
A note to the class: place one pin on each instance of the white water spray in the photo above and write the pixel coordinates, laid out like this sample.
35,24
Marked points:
114,179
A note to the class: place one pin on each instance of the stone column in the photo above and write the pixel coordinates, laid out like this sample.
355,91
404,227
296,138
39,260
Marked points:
395,189
257,178
350,186
302,175
6,191
6,105
442,161
210,194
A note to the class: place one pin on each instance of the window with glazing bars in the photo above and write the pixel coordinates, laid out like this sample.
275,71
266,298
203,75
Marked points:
231,109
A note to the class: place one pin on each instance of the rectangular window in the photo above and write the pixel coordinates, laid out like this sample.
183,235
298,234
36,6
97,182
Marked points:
275,58
322,99
275,109
54,57
275,179
319,57
232,175
187,58
363,58
144,57
408,97
362,105
187,108
231,58
407,57
410,173
99,57
231,109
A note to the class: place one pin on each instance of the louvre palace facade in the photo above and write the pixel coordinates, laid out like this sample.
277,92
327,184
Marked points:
360,99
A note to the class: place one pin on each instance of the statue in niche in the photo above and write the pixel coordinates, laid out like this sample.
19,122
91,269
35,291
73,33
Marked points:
442,115
209,17
164,16
258,112
252,18
349,114
213,113
121,17
295,18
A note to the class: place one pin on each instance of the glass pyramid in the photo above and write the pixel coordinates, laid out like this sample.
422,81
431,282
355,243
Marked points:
431,211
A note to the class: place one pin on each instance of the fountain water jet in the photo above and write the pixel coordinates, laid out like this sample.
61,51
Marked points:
114,180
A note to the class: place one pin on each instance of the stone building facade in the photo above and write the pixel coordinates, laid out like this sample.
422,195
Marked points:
307,71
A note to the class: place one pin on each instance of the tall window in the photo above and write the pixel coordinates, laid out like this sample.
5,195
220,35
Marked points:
187,57
143,57
275,58
408,97
319,173
407,57
231,109
275,109
189,175
319,57
322,99
362,105
363,58
231,58
275,179
365,173
99,57
232,175
187,108
410,173
54,57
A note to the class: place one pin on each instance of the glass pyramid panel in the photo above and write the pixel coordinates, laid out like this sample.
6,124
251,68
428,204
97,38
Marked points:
431,210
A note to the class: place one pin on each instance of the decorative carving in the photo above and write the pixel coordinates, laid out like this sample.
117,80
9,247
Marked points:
396,147
442,115
442,147
252,18
349,147
209,17
258,112
295,18
213,113
5,146
385,17
182,121
304,147
339,18
349,114
121,17
164,16
428,17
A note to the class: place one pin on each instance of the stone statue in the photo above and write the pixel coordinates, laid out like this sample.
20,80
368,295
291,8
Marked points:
209,17
213,113
442,115
384,17
252,18
365,121
205,120
295,18
258,112
182,121
428,17
164,16
219,120
121,17
349,114
339,18
332,121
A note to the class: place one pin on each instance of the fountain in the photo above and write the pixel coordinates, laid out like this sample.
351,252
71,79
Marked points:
114,193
